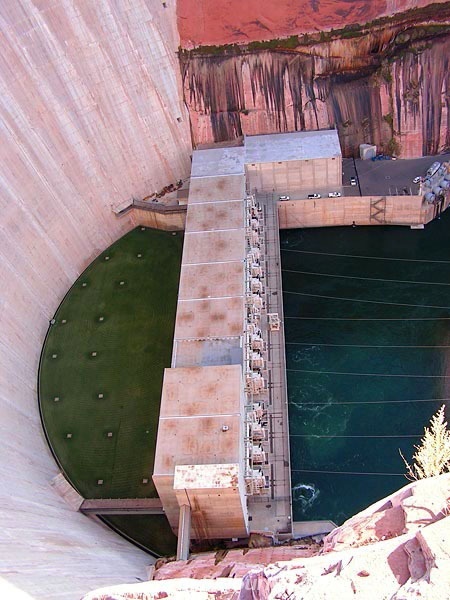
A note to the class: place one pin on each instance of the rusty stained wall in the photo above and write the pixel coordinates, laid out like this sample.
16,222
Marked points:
167,221
216,496
90,96
373,88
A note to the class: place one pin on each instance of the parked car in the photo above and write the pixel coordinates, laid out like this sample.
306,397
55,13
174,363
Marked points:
433,169
352,180
334,195
383,157
417,179
313,196
284,197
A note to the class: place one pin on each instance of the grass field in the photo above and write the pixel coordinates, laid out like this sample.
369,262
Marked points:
123,309
151,531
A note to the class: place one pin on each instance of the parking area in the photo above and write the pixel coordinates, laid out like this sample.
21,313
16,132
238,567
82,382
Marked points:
375,178
388,177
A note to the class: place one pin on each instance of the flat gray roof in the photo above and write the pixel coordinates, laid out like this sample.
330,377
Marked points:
300,145
274,147
218,161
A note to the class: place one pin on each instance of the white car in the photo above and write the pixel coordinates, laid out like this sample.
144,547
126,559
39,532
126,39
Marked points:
334,195
417,179
352,180
313,196
284,198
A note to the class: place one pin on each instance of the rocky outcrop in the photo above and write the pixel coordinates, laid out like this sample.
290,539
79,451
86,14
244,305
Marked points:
397,549
232,563
386,82
406,511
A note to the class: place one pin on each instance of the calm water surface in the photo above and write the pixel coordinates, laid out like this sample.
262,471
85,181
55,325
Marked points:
367,321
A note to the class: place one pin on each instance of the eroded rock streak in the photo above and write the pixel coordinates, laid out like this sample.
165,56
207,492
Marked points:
391,88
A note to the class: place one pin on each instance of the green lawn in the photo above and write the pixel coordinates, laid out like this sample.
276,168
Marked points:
130,327
151,531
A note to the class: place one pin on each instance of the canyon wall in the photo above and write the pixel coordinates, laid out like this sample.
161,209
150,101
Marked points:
386,82
91,115
208,22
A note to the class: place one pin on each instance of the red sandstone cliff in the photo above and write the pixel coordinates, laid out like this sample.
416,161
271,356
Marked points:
397,549
209,22
386,83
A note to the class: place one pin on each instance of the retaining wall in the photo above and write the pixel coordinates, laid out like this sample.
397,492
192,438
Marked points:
362,210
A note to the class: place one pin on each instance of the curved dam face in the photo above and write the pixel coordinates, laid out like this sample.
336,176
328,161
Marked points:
91,116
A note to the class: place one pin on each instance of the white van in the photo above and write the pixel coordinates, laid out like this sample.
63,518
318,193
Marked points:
433,169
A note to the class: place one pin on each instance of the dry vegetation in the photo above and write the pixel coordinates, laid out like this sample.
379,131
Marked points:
432,456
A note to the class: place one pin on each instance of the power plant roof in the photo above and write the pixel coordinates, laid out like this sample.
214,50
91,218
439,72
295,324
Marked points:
268,148
301,145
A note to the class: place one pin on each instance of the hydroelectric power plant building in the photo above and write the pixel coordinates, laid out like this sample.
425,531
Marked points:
92,115
222,457
222,441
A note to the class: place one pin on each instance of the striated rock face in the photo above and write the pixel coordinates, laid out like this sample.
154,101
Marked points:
208,22
397,549
90,94
387,84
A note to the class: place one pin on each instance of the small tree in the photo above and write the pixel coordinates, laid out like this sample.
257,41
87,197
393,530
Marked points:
432,456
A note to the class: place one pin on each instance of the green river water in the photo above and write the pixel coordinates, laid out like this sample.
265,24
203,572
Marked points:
367,323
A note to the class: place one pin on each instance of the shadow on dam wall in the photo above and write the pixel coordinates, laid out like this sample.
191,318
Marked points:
387,85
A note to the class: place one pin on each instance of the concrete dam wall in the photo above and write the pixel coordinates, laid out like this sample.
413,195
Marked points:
91,115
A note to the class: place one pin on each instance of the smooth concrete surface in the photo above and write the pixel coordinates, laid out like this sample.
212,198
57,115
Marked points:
294,176
218,162
201,418
217,215
208,353
216,494
196,403
209,280
297,145
362,210
210,318
184,532
217,189
303,529
214,246
89,107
